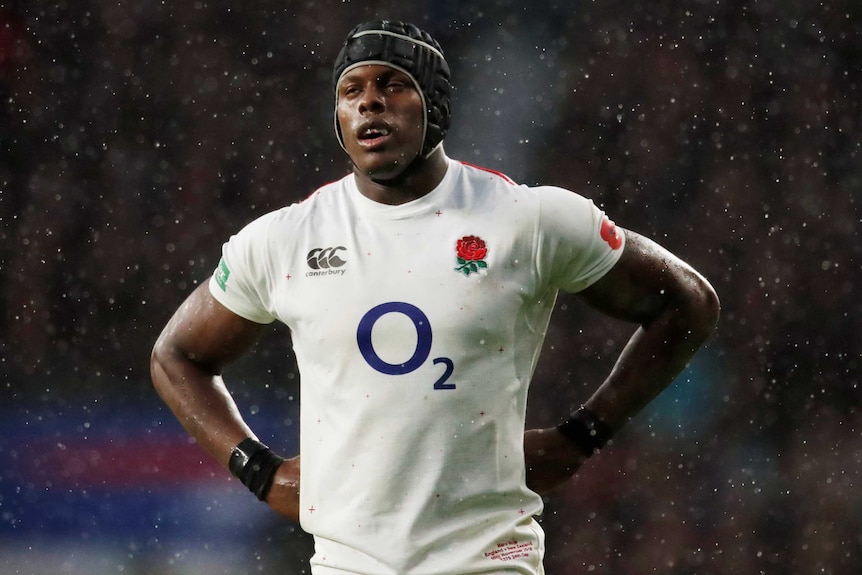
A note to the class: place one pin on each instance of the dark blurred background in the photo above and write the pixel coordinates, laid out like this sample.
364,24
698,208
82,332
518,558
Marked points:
136,137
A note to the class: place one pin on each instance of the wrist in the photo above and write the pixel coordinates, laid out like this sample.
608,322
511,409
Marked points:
242,454
255,465
586,431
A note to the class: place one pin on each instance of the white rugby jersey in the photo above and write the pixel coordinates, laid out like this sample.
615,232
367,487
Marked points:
416,329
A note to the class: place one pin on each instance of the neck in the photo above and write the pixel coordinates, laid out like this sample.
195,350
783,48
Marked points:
419,178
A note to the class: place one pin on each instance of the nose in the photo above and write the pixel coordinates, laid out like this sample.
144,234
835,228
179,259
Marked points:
372,99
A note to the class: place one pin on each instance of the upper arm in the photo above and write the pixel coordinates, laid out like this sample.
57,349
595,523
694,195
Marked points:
205,333
647,281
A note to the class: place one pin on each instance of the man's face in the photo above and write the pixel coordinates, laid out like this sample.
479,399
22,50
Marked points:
381,117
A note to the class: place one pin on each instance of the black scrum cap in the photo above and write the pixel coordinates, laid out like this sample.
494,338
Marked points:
414,52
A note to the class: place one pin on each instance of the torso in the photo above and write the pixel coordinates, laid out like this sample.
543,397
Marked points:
414,372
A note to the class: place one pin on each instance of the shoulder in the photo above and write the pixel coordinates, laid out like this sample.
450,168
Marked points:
547,202
492,190
555,198
480,173
318,203
325,196
546,195
330,192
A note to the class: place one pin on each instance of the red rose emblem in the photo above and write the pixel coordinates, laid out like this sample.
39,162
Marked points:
472,248
611,234
471,252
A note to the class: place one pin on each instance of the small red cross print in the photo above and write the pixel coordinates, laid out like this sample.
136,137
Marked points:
289,276
482,413
439,213
521,511
311,509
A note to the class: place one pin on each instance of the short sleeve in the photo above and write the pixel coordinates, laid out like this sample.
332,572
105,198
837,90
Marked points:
578,243
242,281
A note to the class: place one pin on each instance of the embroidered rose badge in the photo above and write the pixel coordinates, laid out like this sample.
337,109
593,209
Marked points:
471,253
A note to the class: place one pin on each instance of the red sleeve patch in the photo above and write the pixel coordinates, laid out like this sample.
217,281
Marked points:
611,234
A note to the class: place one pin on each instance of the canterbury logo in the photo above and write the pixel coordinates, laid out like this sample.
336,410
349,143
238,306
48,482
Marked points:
325,258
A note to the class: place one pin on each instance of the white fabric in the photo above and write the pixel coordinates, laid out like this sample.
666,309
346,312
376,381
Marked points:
414,374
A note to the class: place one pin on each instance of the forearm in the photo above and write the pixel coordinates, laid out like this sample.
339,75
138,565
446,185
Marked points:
650,361
676,309
201,403
205,408
186,364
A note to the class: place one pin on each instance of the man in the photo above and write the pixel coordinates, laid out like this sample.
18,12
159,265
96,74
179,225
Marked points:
418,291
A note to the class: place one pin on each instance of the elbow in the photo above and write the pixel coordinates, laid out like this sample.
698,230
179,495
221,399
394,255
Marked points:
156,359
164,366
157,366
704,308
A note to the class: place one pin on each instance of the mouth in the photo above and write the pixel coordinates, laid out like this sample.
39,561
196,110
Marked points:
372,136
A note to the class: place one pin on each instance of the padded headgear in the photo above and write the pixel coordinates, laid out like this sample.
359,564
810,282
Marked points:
410,50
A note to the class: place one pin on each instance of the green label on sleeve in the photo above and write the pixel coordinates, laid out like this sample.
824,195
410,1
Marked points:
221,275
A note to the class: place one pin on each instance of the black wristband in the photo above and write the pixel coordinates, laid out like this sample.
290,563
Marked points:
255,465
586,431
242,453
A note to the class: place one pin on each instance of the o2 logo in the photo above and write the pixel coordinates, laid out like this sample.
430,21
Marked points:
423,343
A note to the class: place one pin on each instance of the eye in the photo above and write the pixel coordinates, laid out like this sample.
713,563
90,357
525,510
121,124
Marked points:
397,82
350,90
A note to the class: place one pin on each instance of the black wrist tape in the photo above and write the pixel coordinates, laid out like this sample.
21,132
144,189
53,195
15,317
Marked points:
586,431
255,465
